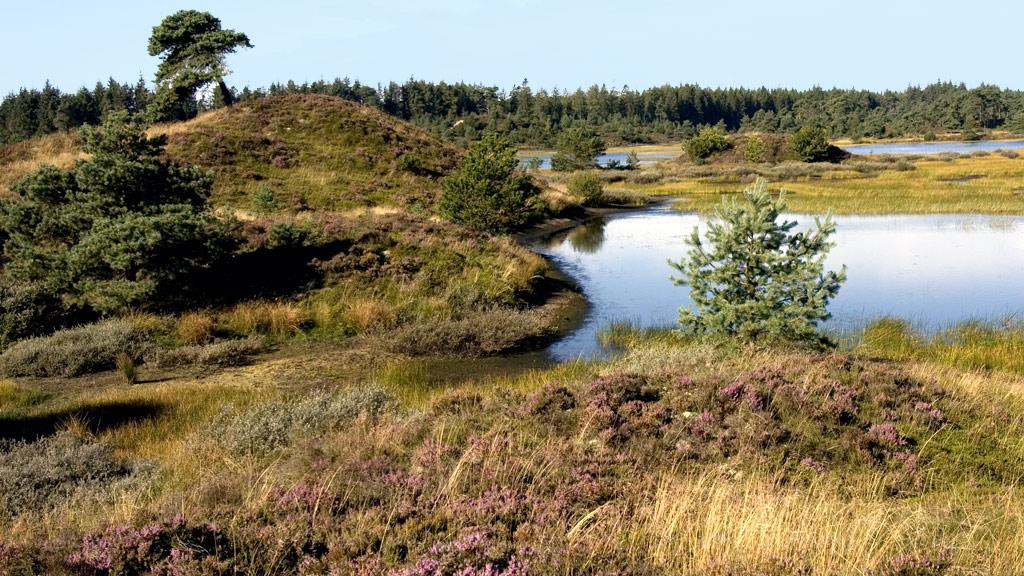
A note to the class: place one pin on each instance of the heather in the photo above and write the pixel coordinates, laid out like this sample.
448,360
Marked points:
677,457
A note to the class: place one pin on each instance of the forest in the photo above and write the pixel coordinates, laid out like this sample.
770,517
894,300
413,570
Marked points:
536,118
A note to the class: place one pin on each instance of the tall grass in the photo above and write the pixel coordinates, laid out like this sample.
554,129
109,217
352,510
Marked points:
701,523
989,184
970,345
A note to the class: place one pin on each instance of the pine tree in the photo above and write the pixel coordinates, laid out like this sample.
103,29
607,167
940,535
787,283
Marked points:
192,46
753,277
490,192
125,228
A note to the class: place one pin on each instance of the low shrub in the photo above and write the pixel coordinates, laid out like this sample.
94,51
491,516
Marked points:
171,548
588,187
483,333
76,351
272,425
263,200
37,475
216,354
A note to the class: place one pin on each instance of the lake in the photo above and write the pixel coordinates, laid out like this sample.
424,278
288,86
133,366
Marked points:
934,270
907,148
604,159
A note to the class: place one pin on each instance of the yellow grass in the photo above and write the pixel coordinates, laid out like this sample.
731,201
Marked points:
702,523
17,160
991,184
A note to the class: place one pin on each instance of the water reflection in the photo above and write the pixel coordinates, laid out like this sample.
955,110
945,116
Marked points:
934,270
588,237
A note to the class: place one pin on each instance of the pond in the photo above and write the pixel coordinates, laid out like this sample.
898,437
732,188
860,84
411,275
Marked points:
933,270
604,159
907,148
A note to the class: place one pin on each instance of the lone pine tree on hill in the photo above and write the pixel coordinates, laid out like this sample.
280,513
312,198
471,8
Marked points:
752,277
192,46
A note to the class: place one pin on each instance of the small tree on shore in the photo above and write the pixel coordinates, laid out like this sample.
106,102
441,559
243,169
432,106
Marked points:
752,277
578,149
490,192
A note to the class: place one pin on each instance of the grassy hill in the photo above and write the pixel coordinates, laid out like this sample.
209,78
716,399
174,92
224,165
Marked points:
311,151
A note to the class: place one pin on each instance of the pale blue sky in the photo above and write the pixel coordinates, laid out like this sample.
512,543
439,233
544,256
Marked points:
871,44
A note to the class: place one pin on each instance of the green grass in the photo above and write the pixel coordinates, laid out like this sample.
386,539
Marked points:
971,345
312,151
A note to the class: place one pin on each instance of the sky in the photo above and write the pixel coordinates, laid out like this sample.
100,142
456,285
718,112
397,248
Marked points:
868,44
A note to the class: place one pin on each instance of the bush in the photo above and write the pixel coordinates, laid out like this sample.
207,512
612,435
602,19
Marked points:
123,229
263,200
588,187
216,354
577,149
41,474
708,142
27,310
753,278
75,351
266,427
811,144
483,333
489,192
754,149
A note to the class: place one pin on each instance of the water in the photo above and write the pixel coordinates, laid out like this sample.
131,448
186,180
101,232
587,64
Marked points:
604,159
933,147
934,270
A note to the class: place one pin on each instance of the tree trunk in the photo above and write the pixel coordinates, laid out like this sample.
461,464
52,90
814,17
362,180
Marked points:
225,93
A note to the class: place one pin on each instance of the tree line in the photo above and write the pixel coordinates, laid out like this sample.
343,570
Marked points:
465,112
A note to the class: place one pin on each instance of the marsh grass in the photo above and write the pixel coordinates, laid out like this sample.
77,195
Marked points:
970,345
987,184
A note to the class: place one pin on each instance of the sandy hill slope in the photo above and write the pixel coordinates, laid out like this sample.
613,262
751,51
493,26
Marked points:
312,151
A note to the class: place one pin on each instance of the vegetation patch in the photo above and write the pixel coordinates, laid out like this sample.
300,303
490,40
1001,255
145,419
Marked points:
76,351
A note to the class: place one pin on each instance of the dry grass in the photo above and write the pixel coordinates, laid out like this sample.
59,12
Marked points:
17,160
275,319
195,328
704,523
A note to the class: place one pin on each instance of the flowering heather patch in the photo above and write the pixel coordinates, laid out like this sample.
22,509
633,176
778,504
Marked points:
915,565
171,548
474,553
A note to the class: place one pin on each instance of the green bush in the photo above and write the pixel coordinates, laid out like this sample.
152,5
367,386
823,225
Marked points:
75,351
263,200
811,144
126,228
588,187
754,149
38,475
708,142
28,310
216,354
755,279
490,192
577,149
272,425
